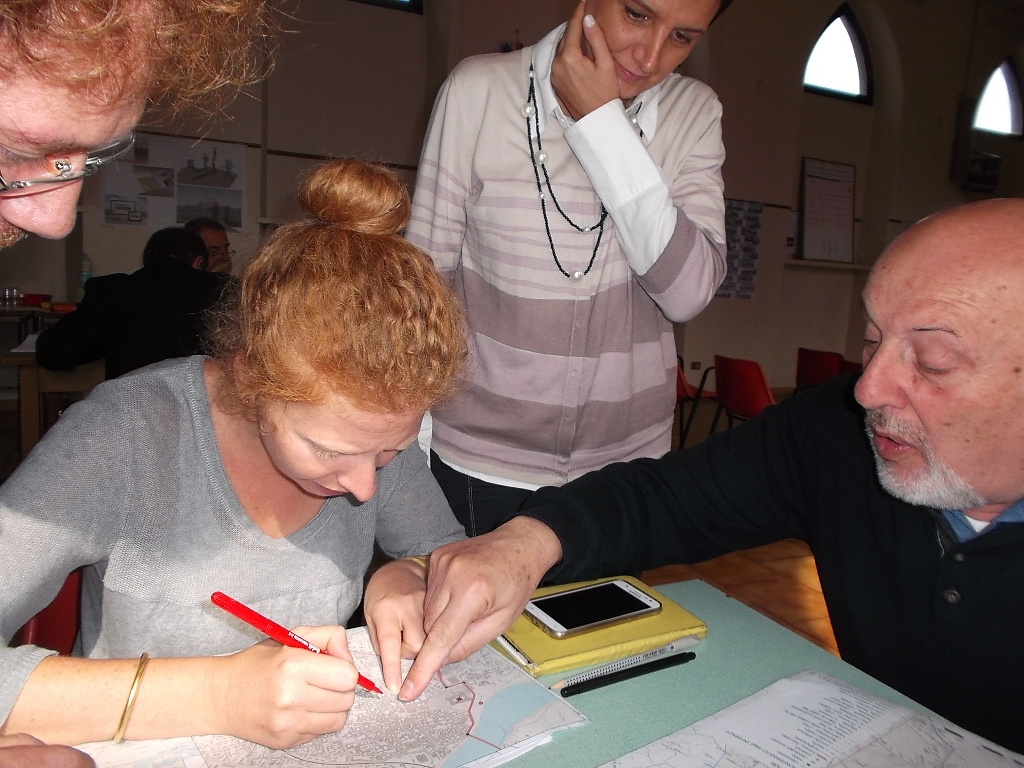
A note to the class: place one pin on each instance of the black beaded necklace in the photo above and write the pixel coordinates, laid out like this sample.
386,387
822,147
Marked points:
539,160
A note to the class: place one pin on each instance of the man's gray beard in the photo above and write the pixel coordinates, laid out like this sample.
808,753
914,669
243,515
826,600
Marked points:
10,234
937,486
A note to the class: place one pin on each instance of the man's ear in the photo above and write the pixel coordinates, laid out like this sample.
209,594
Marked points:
197,263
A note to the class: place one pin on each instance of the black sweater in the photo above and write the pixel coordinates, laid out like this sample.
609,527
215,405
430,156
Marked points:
133,320
940,621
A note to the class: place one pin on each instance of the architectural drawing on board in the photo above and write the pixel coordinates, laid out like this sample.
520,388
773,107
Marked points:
210,184
168,180
223,205
124,209
154,181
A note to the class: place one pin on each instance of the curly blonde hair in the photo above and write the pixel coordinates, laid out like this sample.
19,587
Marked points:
338,303
176,52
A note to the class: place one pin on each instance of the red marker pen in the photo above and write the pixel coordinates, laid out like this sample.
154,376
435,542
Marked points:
274,630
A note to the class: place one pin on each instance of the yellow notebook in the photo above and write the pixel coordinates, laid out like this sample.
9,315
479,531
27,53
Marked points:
541,654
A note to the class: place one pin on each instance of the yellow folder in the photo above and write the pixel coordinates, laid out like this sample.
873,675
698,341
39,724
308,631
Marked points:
541,654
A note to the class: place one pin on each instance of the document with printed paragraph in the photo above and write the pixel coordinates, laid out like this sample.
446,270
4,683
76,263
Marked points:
811,720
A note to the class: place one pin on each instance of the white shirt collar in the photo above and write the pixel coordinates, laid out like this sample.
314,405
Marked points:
644,107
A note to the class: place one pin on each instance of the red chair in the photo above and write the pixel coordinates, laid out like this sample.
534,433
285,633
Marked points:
56,626
815,366
743,390
685,393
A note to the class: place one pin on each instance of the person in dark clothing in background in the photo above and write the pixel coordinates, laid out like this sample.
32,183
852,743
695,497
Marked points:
134,320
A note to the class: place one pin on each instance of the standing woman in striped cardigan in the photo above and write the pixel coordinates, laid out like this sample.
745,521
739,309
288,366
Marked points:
572,194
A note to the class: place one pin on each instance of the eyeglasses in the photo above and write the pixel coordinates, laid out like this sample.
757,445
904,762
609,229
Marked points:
220,250
20,173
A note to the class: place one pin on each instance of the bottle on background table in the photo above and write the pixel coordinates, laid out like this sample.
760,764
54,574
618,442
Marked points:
84,273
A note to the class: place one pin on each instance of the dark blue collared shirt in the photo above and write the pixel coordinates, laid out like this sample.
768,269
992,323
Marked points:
965,531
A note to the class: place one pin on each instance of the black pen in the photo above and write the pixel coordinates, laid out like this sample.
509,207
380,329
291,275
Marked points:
628,673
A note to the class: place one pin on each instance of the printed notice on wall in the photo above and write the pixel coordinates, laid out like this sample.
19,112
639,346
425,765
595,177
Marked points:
827,210
166,180
742,233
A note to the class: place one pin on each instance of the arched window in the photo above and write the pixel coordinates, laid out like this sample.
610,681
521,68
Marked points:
999,109
838,64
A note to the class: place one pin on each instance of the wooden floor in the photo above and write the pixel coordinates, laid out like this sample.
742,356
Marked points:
779,580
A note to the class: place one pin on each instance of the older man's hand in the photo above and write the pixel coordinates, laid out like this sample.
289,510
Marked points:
20,750
476,589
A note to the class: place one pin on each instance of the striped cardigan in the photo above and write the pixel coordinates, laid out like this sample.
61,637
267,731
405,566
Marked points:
564,377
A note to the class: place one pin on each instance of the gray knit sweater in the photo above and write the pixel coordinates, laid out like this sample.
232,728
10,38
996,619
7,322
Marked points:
130,484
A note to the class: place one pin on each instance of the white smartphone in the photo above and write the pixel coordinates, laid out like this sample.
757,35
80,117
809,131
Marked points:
584,608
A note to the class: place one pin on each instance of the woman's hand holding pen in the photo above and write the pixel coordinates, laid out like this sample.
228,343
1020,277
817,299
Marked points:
280,696
267,693
583,76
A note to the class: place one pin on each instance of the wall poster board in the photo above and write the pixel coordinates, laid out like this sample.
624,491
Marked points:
743,238
168,180
826,210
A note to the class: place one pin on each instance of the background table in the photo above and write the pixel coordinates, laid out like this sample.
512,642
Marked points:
743,652
29,319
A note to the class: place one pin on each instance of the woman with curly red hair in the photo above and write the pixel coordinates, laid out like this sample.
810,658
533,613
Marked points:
266,471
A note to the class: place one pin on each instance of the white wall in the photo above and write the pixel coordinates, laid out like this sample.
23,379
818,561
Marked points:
350,81
35,265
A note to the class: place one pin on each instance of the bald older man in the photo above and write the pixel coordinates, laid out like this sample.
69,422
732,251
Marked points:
907,484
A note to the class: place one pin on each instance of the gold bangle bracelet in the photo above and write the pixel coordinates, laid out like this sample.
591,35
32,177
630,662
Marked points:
122,724
421,560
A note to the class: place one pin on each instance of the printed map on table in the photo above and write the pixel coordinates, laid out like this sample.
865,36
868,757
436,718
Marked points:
812,720
481,711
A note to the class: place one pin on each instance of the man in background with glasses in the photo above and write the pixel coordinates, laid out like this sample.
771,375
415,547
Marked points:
75,78
218,249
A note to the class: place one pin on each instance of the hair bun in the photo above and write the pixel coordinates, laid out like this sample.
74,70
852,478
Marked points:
357,196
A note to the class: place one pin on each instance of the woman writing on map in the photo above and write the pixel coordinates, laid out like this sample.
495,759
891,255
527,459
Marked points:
265,471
